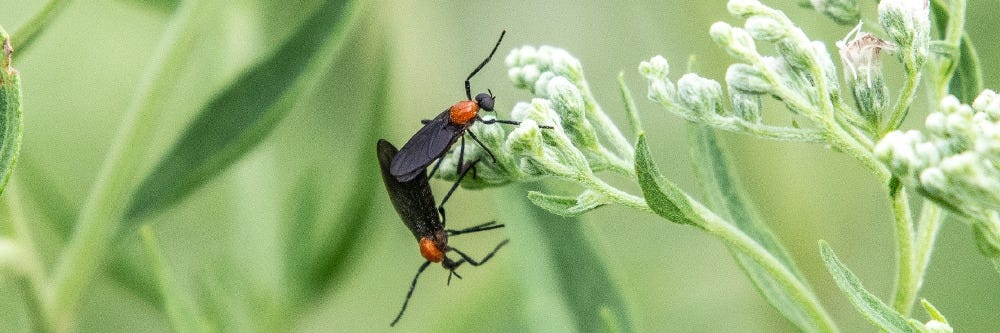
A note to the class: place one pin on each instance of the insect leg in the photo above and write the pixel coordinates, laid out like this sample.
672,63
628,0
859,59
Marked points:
410,293
473,262
473,135
468,90
482,227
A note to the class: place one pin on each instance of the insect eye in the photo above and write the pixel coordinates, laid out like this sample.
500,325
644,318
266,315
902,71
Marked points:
485,101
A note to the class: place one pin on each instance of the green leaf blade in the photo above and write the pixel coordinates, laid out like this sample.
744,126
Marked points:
662,196
243,114
877,312
10,111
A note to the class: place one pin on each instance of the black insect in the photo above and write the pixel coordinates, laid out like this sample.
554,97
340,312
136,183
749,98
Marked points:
414,202
438,134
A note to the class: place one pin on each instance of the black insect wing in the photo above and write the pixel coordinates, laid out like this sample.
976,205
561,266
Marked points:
428,144
412,199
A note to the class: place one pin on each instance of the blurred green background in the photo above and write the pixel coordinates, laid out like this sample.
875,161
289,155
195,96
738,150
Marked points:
225,238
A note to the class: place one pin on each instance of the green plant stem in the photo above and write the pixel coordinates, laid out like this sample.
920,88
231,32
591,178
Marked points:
931,218
905,96
907,282
102,211
740,241
26,35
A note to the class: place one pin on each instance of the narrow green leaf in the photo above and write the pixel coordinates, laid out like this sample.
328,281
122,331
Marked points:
567,206
726,197
569,286
880,314
662,196
10,111
631,111
181,309
933,311
967,81
242,115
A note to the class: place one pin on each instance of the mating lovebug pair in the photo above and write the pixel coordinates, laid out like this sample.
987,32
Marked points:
406,179
415,204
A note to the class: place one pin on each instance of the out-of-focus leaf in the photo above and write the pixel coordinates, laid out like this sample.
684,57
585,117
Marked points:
881,315
726,197
300,233
332,254
967,81
242,115
10,111
181,309
662,196
165,6
567,285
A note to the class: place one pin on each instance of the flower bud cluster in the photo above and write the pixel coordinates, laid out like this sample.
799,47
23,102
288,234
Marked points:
557,135
956,162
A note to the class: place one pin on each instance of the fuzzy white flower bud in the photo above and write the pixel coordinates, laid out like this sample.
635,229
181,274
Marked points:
701,95
747,79
907,23
737,42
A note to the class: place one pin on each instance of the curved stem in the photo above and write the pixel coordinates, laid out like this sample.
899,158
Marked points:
905,97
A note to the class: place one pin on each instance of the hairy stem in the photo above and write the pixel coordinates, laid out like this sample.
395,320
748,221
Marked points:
907,282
